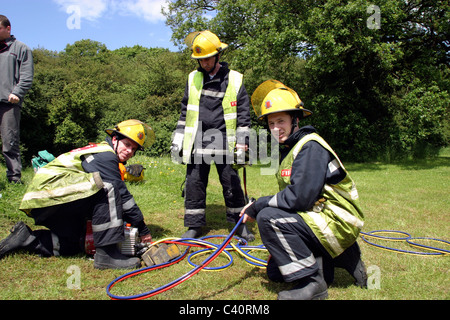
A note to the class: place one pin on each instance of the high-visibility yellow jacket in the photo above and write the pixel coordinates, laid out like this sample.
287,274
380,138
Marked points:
195,84
63,180
337,221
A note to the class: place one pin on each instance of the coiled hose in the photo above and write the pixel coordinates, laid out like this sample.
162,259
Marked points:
244,250
241,248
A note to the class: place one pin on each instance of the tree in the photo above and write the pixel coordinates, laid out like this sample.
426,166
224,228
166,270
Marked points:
49,80
355,73
75,114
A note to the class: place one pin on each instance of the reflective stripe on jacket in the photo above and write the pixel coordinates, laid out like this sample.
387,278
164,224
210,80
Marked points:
337,221
63,180
195,84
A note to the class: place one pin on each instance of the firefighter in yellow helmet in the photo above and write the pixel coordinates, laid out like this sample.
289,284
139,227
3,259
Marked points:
311,225
80,185
140,133
204,44
214,122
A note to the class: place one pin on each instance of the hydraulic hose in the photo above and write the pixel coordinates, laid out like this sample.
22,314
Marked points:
244,250
404,236
218,250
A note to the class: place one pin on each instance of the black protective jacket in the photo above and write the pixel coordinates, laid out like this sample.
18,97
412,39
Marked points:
308,176
107,164
211,114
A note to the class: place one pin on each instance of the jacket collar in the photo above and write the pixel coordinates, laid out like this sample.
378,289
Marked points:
5,44
290,142
297,135
223,69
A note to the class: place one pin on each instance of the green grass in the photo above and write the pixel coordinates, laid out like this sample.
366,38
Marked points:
408,196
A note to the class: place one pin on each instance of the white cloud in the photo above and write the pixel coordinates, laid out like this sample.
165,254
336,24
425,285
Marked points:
149,10
92,10
89,9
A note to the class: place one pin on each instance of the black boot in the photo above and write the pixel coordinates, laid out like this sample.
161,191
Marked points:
109,257
313,287
243,232
192,233
21,237
359,273
350,260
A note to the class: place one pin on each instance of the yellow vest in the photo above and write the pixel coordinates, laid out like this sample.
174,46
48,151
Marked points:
63,180
338,221
229,104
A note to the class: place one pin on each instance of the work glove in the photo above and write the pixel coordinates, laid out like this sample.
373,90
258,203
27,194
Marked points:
176,153
241,158
135,169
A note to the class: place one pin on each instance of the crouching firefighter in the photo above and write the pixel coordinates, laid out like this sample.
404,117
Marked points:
311,225
80,185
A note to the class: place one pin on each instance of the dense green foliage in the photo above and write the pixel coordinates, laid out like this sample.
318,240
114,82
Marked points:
376,77
378,91
87,88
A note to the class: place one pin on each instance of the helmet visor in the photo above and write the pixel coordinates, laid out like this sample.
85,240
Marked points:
288,100
261,92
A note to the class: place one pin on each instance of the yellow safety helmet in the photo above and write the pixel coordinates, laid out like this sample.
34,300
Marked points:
272,96
204,44
135,130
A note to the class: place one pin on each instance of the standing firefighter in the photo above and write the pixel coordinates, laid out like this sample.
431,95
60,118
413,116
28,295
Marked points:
80,185
214,121
311,225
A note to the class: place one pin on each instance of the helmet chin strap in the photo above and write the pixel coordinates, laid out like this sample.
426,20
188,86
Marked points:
117,144
118,138
294,123
295,118
217,60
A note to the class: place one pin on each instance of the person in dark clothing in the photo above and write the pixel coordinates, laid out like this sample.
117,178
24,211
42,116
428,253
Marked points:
88,185
214,121
311,225
16,77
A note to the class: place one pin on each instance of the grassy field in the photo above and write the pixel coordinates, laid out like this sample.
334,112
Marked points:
410,196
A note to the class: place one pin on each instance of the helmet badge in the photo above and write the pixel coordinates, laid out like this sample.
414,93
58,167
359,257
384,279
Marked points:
198,49
140,135
268,104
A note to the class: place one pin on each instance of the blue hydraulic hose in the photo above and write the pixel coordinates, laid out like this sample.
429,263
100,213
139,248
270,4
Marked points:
405,237
230,258
175,282
244,250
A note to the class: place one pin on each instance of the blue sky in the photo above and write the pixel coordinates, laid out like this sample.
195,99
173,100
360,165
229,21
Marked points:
52,24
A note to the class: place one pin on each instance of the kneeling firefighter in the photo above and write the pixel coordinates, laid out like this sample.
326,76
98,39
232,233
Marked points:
80,185
311,225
